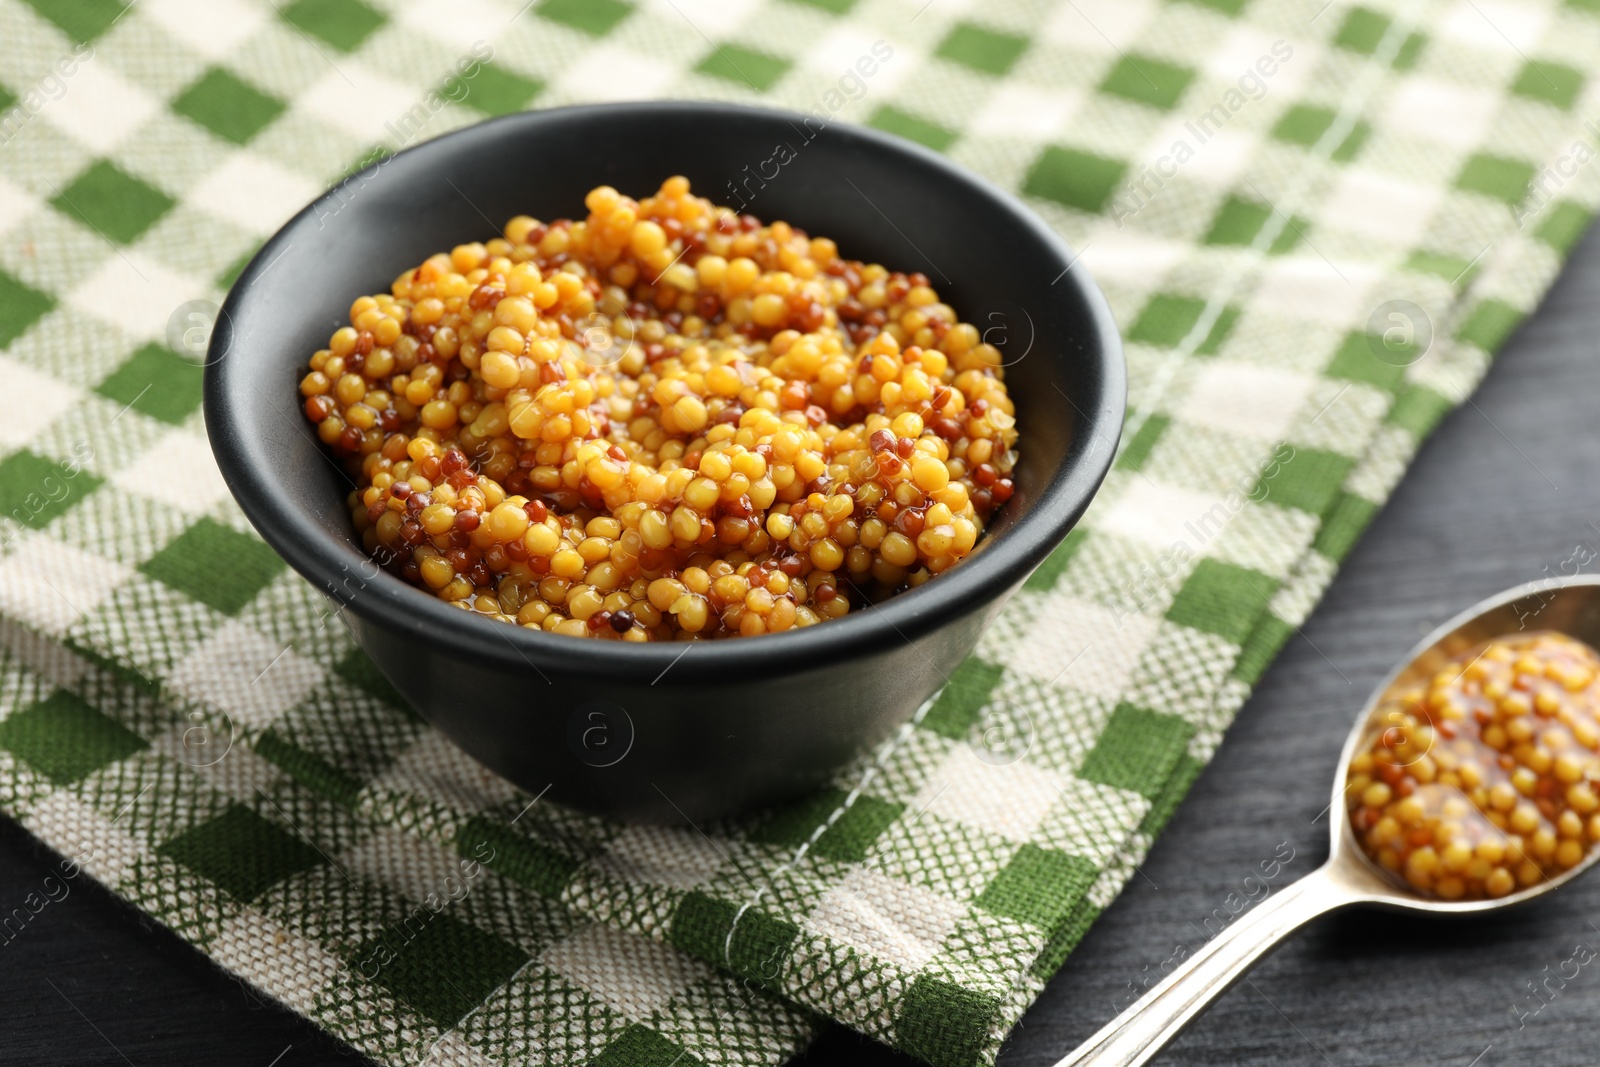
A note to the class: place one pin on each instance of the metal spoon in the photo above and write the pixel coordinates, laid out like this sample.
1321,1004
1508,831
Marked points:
1570,606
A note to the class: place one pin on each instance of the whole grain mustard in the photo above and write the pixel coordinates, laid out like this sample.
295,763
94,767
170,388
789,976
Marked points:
664,421
1482,779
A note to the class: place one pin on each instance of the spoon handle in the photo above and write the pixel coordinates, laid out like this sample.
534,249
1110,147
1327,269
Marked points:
1135,1036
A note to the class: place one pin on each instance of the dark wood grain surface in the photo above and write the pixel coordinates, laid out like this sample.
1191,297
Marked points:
1507,487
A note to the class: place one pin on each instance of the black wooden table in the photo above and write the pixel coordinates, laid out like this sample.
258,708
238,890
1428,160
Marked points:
1508,486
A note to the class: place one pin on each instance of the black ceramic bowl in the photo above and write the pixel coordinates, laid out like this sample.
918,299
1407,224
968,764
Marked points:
662,731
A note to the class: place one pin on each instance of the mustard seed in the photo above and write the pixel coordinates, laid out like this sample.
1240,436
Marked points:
1461,794
775,437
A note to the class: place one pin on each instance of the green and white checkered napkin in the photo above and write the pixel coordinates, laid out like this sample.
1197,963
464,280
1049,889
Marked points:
1316,221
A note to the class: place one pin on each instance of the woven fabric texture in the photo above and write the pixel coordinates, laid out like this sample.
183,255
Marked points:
1316,221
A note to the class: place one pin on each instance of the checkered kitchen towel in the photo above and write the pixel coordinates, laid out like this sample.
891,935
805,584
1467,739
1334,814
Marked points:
1316,221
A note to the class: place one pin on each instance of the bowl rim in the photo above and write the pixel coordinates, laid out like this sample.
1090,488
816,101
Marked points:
387,601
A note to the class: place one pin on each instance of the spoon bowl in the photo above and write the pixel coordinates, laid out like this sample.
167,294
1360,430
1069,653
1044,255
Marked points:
1569,606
